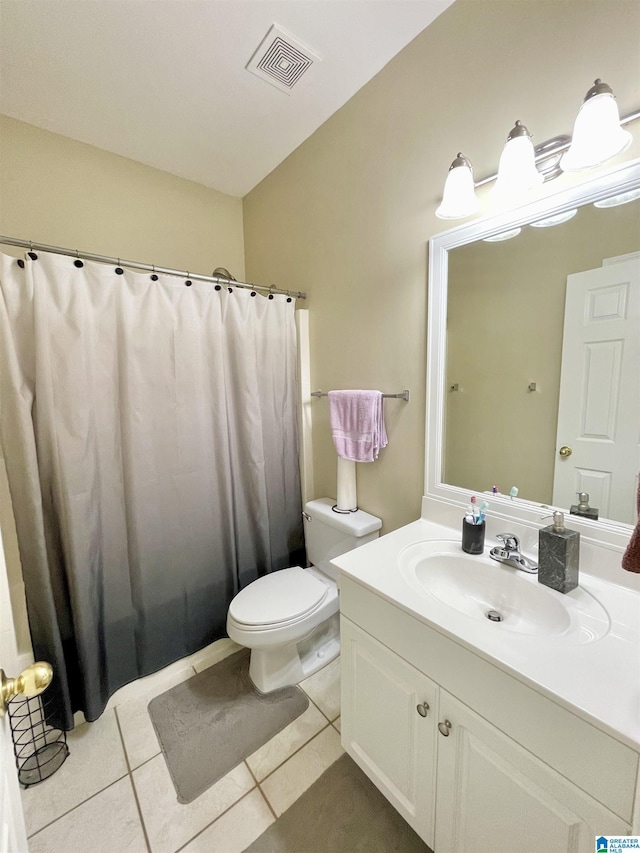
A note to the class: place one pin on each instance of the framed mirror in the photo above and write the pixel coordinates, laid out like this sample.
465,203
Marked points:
534,356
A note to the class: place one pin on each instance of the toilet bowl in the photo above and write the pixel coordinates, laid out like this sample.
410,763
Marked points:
290,618
277,612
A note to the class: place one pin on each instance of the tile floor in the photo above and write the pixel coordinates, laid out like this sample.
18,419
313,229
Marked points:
114,794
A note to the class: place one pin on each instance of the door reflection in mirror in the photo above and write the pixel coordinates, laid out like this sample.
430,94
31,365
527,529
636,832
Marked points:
506,330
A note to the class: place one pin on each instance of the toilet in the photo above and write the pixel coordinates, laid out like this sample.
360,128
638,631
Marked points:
290,618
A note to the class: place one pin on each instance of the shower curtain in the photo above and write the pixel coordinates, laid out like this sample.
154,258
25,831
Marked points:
150,436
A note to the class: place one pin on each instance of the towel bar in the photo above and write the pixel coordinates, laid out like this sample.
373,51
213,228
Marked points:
403,395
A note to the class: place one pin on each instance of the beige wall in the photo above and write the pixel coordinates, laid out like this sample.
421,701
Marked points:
60,192
504,330
56,191
347,217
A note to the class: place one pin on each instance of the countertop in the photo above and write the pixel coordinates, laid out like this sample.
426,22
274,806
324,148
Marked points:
598,681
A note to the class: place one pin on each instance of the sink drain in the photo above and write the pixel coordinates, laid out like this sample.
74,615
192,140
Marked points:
494,616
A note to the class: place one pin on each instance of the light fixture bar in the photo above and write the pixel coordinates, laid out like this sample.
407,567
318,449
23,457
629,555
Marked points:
546,150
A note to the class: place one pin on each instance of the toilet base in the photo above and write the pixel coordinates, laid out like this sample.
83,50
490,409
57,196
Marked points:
271,669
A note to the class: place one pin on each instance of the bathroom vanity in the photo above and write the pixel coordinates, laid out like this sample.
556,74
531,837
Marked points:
490,736
498,715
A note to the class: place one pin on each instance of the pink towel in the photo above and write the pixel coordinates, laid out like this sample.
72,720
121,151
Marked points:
631,558
357,424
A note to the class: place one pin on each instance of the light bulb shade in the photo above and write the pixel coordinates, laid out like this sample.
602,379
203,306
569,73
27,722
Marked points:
597,135
617,200
503,235
459,197
517,171
556,219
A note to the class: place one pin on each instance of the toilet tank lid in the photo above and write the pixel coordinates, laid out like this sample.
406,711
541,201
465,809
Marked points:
357,524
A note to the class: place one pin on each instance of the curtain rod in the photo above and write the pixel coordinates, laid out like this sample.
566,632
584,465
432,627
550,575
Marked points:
104,259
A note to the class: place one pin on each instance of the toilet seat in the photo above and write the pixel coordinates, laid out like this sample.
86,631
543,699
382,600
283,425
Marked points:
279,599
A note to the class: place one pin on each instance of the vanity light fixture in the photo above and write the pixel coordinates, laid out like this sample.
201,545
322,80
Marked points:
556,219
547,222
615,200
459,198
503,235
598,135
517,171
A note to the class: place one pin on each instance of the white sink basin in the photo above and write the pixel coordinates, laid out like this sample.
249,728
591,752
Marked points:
501,597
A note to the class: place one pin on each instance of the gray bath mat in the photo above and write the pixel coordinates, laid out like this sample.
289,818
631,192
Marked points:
342,812
210,723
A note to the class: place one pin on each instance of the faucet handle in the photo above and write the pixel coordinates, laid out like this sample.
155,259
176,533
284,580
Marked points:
511,541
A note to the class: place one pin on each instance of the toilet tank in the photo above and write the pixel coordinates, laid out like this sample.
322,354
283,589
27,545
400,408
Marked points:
329,534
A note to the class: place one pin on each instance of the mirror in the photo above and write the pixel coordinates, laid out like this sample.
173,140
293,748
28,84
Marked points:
511,376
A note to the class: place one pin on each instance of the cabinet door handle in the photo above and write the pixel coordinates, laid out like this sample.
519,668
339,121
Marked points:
423,709
444,728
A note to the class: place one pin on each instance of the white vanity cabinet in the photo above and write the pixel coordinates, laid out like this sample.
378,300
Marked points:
494,766
493,795
389,711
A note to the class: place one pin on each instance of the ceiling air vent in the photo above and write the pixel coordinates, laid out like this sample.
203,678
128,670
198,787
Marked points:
281,59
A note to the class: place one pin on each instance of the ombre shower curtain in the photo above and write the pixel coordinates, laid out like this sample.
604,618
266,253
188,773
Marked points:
150,435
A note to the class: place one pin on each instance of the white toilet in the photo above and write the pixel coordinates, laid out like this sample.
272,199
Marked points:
290,618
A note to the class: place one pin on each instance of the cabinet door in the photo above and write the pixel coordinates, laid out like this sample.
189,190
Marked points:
495,797
383,727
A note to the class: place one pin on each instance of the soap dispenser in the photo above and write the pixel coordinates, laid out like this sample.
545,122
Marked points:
558,555
582,507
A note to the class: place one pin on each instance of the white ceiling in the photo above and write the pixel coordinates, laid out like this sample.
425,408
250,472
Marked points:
164,82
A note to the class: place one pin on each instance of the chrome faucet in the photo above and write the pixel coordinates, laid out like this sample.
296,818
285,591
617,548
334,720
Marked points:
509,553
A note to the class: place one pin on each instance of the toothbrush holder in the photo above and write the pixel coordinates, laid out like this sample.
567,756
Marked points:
472,537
